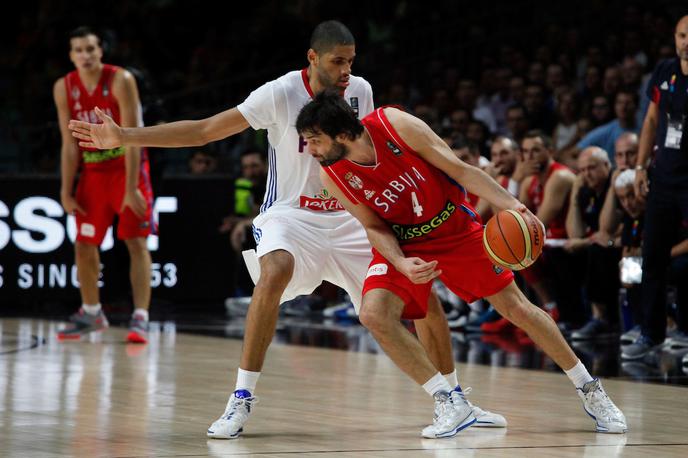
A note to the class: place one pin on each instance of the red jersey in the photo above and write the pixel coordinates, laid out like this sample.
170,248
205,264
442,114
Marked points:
556,229
472,199
417,200
81,106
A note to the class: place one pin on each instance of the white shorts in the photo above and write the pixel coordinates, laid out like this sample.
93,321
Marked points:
328,247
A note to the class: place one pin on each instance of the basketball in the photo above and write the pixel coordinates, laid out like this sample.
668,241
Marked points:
513,240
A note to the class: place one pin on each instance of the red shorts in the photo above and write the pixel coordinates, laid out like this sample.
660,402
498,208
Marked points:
466,270
100,193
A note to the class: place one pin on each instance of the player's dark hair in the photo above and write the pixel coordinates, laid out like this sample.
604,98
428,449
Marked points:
537,133
84,31
329,34
329,113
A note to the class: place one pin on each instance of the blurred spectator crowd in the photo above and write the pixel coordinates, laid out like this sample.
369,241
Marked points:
511,88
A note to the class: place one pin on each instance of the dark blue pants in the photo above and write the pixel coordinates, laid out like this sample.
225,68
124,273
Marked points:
666,215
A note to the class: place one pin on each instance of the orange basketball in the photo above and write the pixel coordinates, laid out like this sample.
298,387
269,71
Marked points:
513,240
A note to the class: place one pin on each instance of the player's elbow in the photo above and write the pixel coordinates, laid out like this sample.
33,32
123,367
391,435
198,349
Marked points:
204,132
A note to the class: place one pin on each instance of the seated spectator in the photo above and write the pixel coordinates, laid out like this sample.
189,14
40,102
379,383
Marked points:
517,122
470,154
600,111
626,151
604,136
546,193
611,82
501,100
202,162
517,92
466,98
626,155
631,244
591,84
601,280
249,189
458,123
478,134
566,130
507,165
535,102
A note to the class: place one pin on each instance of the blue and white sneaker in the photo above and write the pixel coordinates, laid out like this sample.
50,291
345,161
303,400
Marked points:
231,424
608,418
483,418
452,414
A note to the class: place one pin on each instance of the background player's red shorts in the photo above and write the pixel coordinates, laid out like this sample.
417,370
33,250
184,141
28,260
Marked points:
100,193
466,270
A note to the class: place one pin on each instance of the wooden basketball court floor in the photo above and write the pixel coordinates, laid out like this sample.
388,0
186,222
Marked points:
103,398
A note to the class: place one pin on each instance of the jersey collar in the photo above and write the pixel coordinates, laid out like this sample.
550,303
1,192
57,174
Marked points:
306,83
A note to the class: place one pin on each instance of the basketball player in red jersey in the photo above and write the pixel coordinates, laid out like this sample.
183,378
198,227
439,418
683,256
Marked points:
508,165
404,184
112,182
546,193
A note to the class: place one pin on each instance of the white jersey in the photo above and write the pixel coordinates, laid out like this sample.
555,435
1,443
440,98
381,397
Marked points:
294,176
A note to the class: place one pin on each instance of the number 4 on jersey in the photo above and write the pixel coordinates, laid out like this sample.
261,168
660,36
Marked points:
417,208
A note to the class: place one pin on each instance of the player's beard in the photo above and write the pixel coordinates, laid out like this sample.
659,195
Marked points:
334,154
327,82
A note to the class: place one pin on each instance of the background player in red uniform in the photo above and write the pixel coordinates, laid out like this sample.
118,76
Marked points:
113,181
403,183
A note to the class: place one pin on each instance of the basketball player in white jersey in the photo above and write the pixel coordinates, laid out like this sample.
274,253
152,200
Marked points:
304,235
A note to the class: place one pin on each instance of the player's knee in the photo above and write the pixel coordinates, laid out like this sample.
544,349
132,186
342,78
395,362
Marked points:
137,247
85,251
375,317
276,269
371,320
522,311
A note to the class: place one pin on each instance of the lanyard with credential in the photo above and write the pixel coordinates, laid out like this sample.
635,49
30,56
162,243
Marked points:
672,91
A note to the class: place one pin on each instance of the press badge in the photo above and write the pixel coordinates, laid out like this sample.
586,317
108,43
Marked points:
674,134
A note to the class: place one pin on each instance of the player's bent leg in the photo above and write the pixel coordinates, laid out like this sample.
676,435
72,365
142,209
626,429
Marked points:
139,275
433,333
512,304
276,270
381,314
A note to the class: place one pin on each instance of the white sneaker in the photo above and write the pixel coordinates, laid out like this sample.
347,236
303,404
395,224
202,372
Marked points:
608,418
452,414
484,418
231,423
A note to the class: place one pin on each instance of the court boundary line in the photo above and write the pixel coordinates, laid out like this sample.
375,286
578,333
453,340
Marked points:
37,342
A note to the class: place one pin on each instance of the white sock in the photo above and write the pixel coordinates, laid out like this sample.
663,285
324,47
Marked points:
91,309
247,380
452,379
579,375
143,313
437,383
